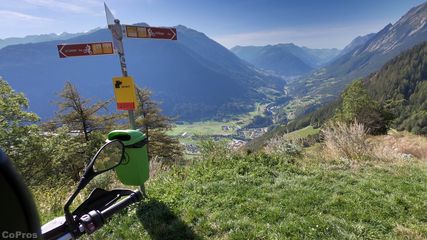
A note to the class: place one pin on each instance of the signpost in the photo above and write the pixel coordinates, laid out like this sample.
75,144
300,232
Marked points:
150,32
133,32
85,49
116,31
124,88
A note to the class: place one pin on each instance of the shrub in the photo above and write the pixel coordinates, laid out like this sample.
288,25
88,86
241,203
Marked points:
211,150
343,140
284,146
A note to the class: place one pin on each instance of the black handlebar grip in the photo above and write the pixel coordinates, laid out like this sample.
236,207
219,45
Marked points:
133,198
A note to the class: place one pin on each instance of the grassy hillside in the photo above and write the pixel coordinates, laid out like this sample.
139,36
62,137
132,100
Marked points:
227,195
302,133
261,141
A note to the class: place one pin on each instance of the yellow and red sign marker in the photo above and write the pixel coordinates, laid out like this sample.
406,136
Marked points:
85,49
150,32
124,90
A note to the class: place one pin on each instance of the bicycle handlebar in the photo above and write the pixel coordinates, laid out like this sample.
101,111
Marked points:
91,221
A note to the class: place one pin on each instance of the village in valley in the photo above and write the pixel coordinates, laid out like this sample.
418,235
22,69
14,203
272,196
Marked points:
235,136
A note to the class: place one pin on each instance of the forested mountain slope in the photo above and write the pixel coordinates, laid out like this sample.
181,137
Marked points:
400,88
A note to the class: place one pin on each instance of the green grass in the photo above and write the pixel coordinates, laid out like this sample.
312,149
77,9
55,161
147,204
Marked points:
258,143
223,195
267,197
303,132
202,128
297,104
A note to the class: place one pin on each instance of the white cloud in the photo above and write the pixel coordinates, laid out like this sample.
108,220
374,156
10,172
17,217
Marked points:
18,16
93,7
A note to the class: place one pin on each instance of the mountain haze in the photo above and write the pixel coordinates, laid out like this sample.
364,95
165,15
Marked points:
366,58
285,59
194,77
40,38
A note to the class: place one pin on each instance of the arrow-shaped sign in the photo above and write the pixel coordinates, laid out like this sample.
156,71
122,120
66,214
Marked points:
109,15
150,32
85,49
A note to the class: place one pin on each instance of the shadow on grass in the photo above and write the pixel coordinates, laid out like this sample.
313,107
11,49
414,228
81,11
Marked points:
161,223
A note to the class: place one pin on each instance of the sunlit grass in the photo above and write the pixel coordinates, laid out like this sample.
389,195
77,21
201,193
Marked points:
303,132
226,195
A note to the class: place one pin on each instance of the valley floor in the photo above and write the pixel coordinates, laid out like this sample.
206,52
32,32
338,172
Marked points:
233,131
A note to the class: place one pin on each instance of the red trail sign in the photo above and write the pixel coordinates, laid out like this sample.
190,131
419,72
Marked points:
85,49
150,32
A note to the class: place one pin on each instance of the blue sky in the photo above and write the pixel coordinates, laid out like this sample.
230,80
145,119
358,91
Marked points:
311,23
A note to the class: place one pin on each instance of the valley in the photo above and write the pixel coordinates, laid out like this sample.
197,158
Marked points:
257,120
234,132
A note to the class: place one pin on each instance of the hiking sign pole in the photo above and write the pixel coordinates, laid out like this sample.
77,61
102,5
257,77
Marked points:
117,32
124,87
127,99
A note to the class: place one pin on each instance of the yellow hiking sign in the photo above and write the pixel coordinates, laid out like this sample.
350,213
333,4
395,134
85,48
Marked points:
124,90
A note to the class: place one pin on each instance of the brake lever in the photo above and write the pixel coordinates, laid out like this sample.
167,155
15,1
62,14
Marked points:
94,219
100,199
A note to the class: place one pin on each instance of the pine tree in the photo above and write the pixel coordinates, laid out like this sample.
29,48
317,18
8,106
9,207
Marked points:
154,124
79,114
358,106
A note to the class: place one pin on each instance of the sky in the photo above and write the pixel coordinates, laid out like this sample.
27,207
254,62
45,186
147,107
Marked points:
310,23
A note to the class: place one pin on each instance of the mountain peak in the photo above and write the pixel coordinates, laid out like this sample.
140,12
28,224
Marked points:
141,24
356,43
286,45
408,31
42,38
411,27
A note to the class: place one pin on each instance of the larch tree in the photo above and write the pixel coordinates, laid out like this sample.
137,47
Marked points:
79,113
155,125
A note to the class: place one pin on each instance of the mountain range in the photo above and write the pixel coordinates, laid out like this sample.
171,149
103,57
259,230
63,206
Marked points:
40,38
287,60
400,88
365,55
357,42
194,77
